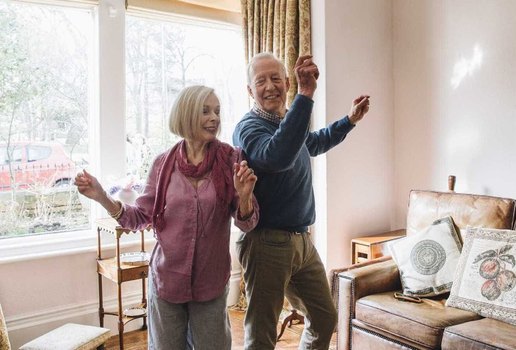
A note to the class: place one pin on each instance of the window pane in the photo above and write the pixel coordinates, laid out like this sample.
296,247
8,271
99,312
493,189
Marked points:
38,152
44,77
164,56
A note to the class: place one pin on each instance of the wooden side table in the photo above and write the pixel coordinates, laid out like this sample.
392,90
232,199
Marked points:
116,271
372,247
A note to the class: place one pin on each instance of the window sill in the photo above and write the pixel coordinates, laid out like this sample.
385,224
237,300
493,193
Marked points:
60,244
67,243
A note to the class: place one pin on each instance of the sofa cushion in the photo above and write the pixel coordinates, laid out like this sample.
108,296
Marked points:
427,260
364,337
466,209
422,323
484,334
485,279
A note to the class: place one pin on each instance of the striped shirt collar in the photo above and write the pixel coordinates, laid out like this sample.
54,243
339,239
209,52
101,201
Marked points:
276,119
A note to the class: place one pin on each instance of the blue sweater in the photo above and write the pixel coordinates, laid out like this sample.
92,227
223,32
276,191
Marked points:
280,156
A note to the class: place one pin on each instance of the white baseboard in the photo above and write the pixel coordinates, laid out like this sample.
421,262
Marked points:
42,317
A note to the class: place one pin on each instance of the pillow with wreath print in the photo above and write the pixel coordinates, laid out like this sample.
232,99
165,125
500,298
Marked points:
485,279
427,260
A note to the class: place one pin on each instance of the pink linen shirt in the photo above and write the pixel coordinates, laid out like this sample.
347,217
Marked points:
191,260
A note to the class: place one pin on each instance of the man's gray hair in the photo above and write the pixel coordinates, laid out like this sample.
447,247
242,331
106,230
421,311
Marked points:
261,56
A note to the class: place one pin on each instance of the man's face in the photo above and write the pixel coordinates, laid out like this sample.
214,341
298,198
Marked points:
269,86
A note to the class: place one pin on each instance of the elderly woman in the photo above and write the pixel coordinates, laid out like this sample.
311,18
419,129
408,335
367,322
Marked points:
192,191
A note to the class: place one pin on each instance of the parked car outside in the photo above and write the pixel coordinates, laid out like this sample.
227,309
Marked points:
34,164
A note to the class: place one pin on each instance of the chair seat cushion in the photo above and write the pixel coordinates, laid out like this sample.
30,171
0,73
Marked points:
70,336
480,335
421,323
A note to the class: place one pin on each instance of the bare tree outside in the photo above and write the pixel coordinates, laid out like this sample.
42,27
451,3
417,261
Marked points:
43,116
163,57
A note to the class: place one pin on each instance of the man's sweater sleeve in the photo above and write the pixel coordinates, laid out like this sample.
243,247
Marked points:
275,151
323,140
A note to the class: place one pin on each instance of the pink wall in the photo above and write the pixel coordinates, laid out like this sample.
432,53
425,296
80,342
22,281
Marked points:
355,57
455,97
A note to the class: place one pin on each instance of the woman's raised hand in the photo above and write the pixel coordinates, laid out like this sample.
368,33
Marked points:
89,186
244,180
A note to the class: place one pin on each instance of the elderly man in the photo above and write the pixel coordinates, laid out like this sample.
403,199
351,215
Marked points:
278,256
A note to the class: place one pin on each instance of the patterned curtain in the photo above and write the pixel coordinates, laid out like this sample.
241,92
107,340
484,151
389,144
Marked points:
278,26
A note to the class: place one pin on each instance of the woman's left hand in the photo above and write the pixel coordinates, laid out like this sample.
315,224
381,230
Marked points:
244,180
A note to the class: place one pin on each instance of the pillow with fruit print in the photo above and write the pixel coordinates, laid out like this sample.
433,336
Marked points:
485,279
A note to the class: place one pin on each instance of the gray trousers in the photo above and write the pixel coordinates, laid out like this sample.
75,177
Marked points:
280,264
206,323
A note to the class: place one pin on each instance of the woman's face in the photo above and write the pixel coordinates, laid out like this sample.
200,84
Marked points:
210,119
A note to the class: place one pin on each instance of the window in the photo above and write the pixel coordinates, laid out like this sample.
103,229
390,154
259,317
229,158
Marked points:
35,153
44,116
10,156
48,118
165,54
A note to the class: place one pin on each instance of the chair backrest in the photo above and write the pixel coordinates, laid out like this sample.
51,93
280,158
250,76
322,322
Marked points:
466,209
4,339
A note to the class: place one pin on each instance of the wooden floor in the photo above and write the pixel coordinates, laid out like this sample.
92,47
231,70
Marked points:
137,340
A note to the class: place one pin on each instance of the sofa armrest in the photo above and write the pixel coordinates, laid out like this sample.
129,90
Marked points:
333,276
381,275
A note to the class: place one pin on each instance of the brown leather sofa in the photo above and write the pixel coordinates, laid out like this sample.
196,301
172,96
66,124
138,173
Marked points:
370,318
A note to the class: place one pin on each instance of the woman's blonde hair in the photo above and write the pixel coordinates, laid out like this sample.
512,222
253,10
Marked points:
185,116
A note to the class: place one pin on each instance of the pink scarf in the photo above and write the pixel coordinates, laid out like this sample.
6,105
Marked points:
218,159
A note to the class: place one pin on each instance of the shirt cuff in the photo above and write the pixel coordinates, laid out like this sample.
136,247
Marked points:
303,97
244,218
346,120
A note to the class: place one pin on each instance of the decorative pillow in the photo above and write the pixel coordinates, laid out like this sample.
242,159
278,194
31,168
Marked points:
427,260
486,274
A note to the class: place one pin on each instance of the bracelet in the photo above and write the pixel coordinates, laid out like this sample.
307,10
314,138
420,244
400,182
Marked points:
118,214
